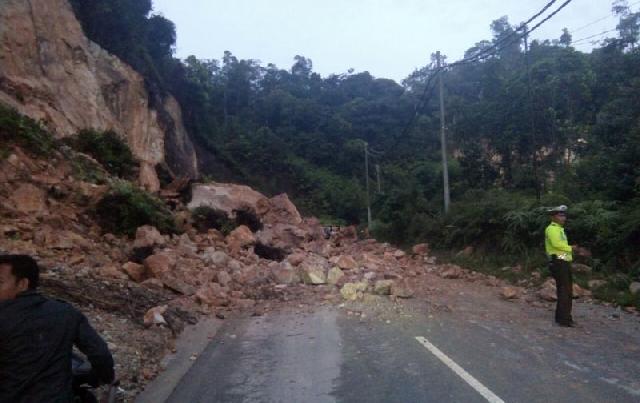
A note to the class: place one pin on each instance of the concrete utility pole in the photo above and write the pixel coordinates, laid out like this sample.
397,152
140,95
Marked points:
378,177
366,170
443,141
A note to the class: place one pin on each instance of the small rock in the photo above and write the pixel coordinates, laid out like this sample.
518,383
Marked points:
383,287
154,316
420,249
510,293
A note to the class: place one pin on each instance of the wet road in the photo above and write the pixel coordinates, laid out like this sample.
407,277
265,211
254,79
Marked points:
330,356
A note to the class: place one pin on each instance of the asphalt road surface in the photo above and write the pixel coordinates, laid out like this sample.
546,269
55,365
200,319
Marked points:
334,355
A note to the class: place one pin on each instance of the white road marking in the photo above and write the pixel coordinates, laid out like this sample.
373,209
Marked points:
473,382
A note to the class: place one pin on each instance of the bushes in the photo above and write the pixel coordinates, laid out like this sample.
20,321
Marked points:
25,132
108,149
205,218
126,207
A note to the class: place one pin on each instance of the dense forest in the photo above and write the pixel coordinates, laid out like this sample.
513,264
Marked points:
527,127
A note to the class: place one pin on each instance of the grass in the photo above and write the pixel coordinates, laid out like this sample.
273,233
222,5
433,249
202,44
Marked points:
25,132
108,149
126,207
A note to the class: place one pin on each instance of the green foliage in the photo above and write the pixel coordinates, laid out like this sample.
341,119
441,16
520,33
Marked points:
205,218
24,132
573,135
126,207
108,149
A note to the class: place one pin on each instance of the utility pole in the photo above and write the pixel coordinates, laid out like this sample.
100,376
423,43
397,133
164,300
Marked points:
443,141
532,123
378,177
366,170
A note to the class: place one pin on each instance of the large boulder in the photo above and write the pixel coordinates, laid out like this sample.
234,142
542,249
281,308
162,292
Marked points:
225,197
281,236
278,209
634,288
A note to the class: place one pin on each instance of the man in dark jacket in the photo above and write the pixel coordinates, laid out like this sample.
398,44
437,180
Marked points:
37,336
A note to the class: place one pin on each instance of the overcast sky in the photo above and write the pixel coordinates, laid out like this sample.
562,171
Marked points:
388,38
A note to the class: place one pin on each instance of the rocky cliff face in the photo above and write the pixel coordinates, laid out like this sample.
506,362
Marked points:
49,70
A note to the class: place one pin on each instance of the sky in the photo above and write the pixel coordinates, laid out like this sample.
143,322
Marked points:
388,38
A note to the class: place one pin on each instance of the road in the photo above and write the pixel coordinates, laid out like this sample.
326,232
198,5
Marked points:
369,353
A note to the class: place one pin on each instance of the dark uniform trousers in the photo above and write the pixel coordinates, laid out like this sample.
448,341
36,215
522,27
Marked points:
561,272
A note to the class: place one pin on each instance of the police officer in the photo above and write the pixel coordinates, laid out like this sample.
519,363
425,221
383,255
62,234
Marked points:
560,255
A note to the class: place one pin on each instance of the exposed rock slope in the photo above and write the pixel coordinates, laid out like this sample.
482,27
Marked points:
50,71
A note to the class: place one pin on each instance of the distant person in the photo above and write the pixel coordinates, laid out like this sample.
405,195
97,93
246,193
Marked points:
37,336
560,256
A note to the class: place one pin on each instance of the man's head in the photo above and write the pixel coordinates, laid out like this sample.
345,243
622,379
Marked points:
18,273
559,214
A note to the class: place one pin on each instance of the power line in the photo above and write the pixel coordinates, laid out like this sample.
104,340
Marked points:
599,19
482,54
592,36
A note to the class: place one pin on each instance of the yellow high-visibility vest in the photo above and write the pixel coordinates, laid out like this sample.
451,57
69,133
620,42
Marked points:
555,242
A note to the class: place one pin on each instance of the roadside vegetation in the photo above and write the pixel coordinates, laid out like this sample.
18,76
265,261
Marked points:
574,140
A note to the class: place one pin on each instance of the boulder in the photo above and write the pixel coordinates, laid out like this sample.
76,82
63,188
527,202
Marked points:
296,258
240,238
579,292
421,249
283,273
212,294
468,251
383,287
159,264
278,209
402,289
399,254
634,288
29,199
154,316
148,237
334,275
353,291
346,262
226,197
547,291
214,257
451,272
135,271
282,236
313,270
510,292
